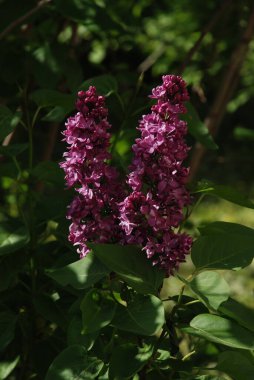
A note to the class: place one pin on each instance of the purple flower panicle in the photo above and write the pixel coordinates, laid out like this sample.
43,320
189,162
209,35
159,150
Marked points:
154,209
94,211
149,210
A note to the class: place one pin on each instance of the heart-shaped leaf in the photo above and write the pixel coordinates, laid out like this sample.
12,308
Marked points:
144,315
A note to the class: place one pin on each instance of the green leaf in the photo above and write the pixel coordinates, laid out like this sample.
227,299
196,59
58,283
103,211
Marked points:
240,313
105,84
49,310
74,335
130,353
144,315
52,98
223,246
74,364
76,10
81,274
10,266
97,311
236,365
13,149
49,172
6,367
208,377
226,192
197,128
57,114
243,134
131,264
220,330
210,288
7,328
8,121
13,236
226,228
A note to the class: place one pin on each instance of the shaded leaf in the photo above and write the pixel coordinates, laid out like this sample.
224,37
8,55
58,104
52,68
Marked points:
13,149
144,315
240,313
49,172
226,228
105,84
81,274
57,114
7,328
52,98
74,364
226,192
75,336
131,264
197,128
130,353
49,310
97,311
236,365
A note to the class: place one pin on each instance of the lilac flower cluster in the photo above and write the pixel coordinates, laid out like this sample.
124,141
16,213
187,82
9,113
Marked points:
94,211
150,209
154,208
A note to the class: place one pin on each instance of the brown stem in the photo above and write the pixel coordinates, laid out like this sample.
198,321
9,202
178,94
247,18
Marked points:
151,59
225,91
52,136
23,18
204,32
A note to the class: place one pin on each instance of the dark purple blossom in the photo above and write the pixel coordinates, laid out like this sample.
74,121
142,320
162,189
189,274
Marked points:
153,211
94,211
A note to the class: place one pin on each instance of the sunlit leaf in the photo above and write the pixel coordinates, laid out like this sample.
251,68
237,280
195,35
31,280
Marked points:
223,246
8,121
81,274
211,288
13,236
6,367
222,331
